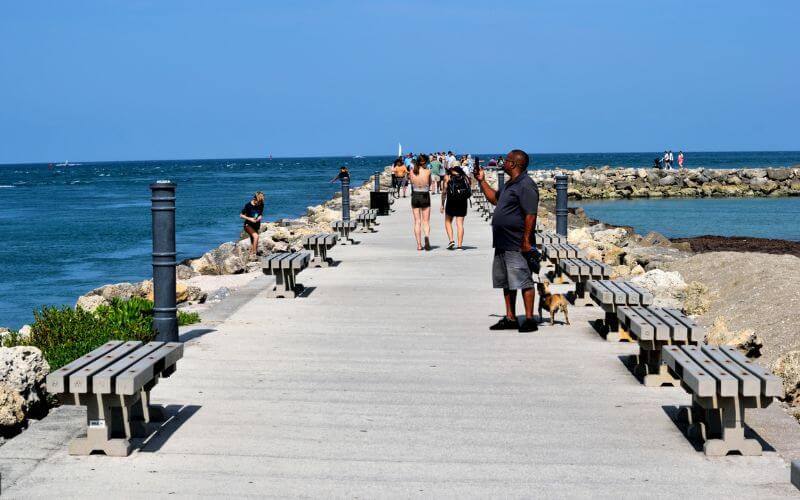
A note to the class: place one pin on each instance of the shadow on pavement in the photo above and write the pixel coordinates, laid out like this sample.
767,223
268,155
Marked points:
175,416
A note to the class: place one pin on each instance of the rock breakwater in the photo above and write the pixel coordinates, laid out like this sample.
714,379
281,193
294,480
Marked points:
616,183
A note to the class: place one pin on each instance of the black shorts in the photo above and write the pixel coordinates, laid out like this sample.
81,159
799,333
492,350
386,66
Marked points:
455,208
256,226
420,200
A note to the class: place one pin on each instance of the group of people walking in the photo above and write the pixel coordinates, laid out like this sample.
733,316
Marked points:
667,161
513,222
441,174
515,260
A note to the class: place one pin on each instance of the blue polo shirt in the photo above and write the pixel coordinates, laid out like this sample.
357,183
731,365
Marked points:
517,199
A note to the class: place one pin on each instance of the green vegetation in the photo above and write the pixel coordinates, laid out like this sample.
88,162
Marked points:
64,334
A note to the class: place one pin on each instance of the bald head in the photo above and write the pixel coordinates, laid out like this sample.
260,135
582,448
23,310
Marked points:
520,158
516,162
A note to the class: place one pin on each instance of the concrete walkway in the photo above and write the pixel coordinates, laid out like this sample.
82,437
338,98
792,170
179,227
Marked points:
385,382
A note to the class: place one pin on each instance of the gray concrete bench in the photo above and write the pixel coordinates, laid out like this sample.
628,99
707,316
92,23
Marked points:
548,238
554,252
285,266
367,218
344,228
581,271
612,294
723,383
320,244
114,383
653,328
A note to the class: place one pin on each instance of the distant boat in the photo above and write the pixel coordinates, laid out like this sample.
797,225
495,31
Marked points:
358,156
399,149
67,164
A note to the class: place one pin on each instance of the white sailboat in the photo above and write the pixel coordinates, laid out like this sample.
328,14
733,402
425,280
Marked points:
399,149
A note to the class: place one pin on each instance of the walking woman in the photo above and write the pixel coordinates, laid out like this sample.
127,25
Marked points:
421,201
455,194
251,213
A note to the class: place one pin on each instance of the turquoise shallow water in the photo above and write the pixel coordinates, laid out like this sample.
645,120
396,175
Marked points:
67,230
777,218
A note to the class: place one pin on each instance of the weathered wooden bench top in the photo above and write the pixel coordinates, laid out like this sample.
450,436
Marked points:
723,383
557,251
663,324
548,238
327,239
285,260
116,374
608,293
351,224
584,269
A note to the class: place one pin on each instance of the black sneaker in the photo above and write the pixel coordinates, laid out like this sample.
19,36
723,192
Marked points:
529,325
505,324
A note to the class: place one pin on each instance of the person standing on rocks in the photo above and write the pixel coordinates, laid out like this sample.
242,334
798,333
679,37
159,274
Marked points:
667,166
513,223
671,159
680,159
252,213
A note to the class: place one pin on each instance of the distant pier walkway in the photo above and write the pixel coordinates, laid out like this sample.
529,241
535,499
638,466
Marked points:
385,382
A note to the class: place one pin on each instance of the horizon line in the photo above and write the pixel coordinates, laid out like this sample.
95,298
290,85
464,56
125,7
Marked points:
385,156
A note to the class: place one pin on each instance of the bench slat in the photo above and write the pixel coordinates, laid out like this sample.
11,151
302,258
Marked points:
57,381
726,384
131,380
103,382
696,332
81,380
748,384
771,385
677,330
639,326
692,374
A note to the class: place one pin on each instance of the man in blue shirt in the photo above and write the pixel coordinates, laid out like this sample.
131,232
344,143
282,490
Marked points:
513,223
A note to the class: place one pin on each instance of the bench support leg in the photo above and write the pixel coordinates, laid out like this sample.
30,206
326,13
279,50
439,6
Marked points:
650,368
320,258
721,428
284,285
104,421
616,333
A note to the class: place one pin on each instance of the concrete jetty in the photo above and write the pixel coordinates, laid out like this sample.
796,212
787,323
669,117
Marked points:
384,381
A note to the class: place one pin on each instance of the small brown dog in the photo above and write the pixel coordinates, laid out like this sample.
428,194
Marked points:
553,303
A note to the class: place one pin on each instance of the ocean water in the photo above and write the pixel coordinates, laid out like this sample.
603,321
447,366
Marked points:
67,230
777,218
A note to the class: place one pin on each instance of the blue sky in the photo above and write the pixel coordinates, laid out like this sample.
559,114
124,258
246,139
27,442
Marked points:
122,80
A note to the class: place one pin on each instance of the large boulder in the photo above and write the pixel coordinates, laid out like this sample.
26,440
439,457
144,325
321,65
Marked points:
746,341
91,302
667,287
787,367
667,181
12,407
696,298
779,174
228,258
613,236
23,370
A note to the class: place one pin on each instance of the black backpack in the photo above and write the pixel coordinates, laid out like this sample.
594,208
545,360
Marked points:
458,188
